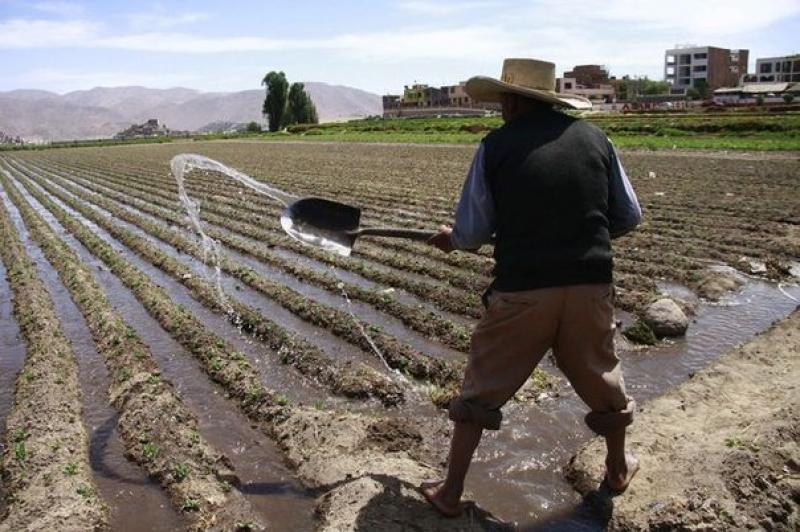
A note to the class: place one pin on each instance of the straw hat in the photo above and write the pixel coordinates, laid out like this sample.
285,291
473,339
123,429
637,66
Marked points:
527,77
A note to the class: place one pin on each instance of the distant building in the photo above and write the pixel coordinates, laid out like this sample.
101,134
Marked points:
424,100
150,129
778,69
457,95
689,66
589,81
10,140
589,76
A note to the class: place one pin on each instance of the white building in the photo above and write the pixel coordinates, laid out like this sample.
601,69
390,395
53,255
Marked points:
687,66
778,69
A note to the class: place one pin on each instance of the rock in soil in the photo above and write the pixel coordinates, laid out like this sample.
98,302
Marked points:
666,318
721,451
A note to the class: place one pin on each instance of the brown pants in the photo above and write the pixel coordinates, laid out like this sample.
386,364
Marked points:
518,328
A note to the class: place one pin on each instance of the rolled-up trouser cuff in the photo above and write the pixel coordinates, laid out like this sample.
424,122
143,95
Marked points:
466,411
604,423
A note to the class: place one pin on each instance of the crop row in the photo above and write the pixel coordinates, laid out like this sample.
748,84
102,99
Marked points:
212,188
350,380
447,299
47,456
427,323
222,191
328,449
397,355
267,221
637,270
158,431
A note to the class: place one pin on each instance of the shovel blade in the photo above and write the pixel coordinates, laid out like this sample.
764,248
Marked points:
322,223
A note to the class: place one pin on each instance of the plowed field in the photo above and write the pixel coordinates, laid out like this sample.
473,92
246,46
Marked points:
309,396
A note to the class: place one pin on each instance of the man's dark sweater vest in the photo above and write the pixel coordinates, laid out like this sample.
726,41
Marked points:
548,174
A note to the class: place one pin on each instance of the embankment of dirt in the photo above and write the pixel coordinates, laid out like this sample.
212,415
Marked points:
367,471
720,451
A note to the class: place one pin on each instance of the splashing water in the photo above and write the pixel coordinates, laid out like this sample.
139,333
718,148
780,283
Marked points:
361,329
185,163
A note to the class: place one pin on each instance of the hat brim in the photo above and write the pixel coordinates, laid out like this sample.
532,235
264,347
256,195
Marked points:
486,89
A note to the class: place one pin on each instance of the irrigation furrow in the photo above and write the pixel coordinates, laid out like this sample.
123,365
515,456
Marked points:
115,475
325,289
12,356
46,472
331,450
397,355
415,264
449,300
159,432
350,380
257,464
219,191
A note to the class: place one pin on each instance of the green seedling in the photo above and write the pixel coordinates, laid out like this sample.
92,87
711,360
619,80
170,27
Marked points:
71,469
190,505
85,491
150,451
20,451
180,472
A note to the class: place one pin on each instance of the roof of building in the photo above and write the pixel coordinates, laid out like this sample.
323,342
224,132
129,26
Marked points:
759,88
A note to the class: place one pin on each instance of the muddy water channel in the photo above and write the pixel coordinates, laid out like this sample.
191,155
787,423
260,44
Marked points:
12,356
518,471
265,480
118,479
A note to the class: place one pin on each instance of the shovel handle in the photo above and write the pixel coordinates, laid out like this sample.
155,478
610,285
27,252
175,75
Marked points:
396,232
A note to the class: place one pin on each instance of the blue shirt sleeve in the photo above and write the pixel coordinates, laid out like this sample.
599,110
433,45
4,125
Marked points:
475,214
624,212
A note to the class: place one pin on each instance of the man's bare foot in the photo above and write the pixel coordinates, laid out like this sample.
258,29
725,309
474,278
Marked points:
619,476
443,502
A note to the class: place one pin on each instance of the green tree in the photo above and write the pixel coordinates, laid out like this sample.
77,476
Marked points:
253,127
650,86
301,109
702,88
275,103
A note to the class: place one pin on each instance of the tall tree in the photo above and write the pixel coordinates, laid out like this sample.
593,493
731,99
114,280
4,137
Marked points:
301,109
275,102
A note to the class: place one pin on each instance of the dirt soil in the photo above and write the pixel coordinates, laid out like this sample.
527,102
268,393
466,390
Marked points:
719,452
366,471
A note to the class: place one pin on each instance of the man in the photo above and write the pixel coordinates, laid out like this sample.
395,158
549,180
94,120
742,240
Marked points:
551,189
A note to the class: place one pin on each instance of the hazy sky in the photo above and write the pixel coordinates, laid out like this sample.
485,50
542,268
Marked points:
374,45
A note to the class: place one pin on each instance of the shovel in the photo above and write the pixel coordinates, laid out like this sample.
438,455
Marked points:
333,226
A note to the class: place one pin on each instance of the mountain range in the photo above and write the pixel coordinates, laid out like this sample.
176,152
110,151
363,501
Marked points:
37,115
